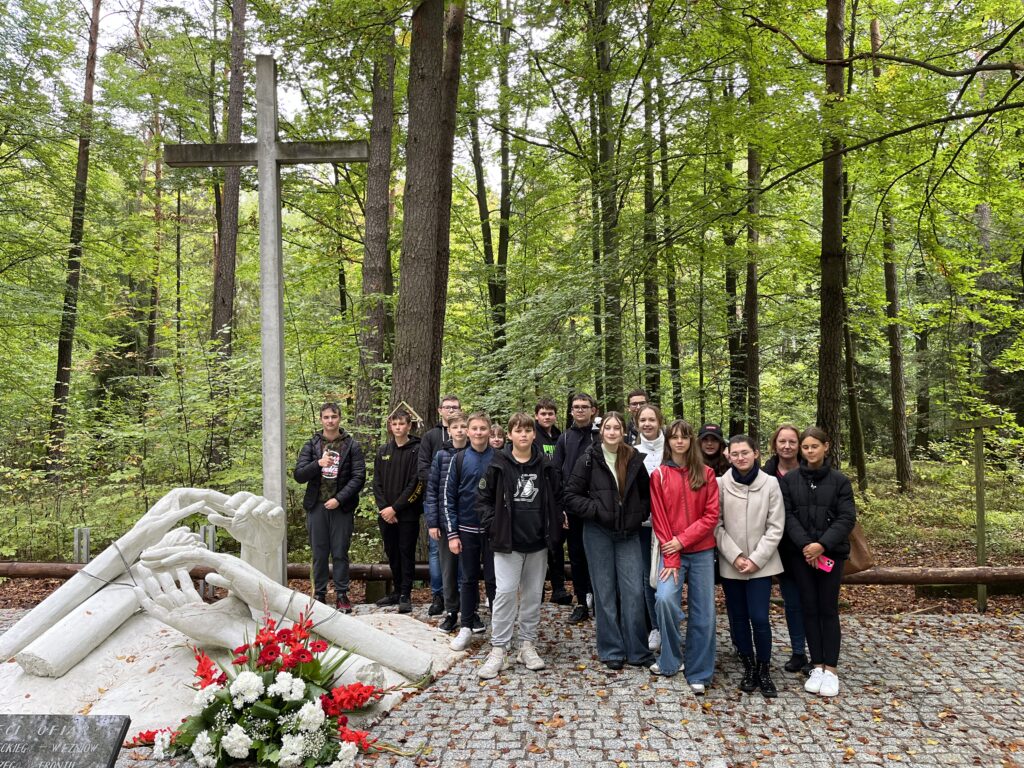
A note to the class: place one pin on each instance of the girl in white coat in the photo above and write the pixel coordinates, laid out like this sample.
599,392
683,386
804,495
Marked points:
748,534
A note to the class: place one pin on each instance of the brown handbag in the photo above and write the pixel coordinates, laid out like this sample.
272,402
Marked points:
861,558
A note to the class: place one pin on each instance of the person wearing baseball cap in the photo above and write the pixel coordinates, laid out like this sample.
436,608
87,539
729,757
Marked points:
712,445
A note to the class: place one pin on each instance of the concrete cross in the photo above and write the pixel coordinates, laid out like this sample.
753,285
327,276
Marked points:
268,154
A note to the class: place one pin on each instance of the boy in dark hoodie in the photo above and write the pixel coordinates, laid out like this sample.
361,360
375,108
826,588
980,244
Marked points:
519,507
399,495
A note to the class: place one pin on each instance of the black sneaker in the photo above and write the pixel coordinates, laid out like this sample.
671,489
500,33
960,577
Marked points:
436,606
560,596
387,600
343,604
450,623
405,604
477,626
796,663
579,614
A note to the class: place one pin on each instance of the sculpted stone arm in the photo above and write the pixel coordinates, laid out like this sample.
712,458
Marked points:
264,594
109,564
259,525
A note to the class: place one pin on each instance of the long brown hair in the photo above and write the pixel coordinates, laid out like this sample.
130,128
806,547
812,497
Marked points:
623,453
693,460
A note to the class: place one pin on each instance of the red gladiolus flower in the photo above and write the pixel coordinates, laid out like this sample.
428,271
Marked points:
318,646
205,669
360,738
241,649
240,660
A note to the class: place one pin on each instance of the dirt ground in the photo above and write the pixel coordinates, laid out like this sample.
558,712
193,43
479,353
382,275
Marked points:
863,599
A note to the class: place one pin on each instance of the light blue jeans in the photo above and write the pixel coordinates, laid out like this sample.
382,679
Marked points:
616,576
646,534
698,657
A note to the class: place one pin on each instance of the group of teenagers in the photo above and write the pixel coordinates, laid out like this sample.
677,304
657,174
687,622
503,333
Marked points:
643,509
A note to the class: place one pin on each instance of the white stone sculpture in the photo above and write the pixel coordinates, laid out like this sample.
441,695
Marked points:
95,602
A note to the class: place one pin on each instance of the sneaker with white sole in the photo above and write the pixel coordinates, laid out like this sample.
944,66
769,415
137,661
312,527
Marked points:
698,689
461,640
528,657
495,663
590,601
829,684
813,684
654,641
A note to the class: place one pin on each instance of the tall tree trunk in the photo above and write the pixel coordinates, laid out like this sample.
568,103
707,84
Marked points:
701,393
668,256
734,326
922,424
224,266
608,180
453,33
752,352
595,252
415,326
158,221
652,336
897,383
486,234
830,348
370,383
73,278
214,136
505,193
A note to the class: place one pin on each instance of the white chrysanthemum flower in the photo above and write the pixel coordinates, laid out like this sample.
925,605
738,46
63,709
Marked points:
292,747
298,691
246,688
161,745
311,716
288,687
202,747
204,697
206,761
346,756
236,742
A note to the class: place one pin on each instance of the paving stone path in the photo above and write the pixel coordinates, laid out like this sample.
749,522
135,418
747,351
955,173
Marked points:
916,691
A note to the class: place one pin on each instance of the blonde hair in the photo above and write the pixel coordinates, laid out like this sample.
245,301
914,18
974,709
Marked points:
623,452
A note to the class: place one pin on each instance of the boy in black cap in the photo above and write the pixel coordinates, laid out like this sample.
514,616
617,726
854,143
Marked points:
712,446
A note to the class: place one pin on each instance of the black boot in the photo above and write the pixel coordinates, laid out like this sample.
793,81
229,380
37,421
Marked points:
749,681
796,662
764,680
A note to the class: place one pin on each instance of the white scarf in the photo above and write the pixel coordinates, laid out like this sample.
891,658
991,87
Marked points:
653,450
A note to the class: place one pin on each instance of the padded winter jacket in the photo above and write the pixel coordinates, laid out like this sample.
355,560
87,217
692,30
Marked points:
819,508
592,493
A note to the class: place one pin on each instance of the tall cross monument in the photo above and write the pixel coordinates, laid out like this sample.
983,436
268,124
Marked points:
268,154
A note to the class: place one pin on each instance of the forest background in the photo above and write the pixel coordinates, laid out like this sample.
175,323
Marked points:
760,212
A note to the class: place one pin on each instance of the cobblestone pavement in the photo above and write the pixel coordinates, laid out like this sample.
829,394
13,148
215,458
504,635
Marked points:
916,691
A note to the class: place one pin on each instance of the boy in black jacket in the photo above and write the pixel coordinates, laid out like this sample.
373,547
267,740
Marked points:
399,495
331,464
520,510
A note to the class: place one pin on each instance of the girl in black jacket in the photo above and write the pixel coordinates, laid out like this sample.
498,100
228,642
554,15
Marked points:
609,490
820,514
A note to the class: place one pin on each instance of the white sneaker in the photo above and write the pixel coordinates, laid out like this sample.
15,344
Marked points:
461,641
829,684
496,662
698,688
813,684
654,641
528,657
590,601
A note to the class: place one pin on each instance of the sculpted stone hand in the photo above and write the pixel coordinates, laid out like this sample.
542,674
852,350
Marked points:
253,520
174,601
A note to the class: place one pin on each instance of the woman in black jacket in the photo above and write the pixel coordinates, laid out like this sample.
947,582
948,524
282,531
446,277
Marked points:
820,514
609,490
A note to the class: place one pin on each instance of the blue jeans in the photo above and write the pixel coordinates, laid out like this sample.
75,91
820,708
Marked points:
616,578
794,611
697,569
747,601
434,561
645,549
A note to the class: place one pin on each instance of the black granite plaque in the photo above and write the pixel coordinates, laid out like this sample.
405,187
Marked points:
61,741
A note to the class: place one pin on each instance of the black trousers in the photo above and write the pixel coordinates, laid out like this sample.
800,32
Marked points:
556,567
578,560
400,548
476,557
819,598
330,533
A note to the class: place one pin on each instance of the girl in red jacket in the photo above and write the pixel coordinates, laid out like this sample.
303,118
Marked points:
684,511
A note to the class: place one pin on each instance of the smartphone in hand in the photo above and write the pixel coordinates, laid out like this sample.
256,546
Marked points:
826,563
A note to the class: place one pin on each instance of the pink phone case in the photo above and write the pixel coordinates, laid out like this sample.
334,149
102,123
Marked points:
826,563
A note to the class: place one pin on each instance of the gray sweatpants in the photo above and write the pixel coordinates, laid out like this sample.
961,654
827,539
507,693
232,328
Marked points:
522,573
